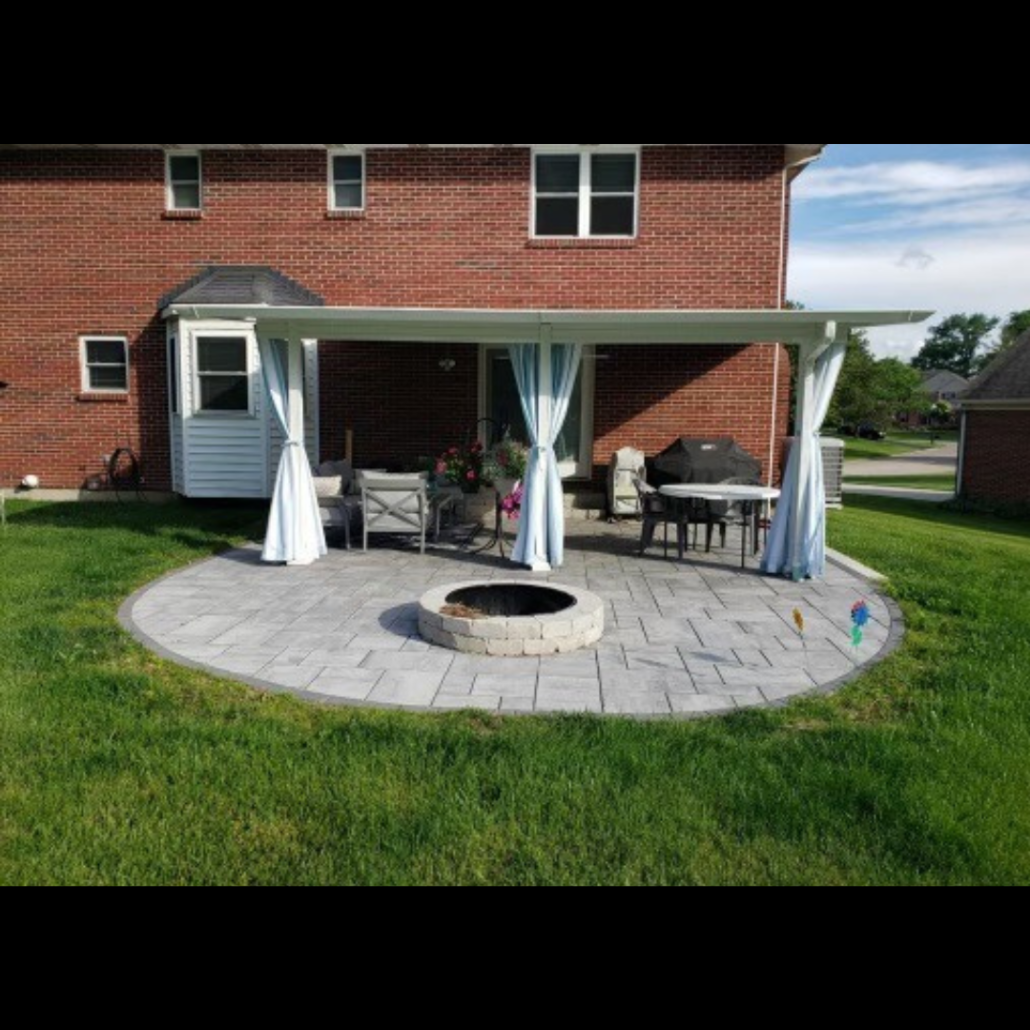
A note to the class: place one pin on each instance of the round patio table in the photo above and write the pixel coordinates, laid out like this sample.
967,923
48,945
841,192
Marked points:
749,497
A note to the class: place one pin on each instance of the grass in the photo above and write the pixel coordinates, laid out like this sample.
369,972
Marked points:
940,483
894,446
119,768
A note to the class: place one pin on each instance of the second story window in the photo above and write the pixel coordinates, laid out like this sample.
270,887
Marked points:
185,186
346,182
586,195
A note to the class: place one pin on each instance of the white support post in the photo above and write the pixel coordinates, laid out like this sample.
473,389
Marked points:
296,387
545,416
809,355
312,398
805,434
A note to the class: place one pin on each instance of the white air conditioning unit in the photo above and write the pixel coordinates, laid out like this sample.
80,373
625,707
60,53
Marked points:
833,466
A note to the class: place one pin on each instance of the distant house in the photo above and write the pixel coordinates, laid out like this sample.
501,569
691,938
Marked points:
945,387
995,456
942,387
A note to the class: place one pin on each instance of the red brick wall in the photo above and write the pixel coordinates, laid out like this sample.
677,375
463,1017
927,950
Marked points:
997,468
399,402
649,396
85,248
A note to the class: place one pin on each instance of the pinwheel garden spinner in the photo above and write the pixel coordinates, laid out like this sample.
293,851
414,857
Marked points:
860,617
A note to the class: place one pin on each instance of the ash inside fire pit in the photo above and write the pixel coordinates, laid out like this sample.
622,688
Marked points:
511,600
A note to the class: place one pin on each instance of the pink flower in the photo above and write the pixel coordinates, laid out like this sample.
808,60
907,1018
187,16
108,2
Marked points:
472,477
453,452
441,468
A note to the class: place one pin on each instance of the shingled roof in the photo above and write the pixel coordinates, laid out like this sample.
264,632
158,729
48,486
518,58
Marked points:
245,285
1007,378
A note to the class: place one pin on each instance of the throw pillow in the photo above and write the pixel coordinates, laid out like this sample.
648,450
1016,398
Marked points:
327,487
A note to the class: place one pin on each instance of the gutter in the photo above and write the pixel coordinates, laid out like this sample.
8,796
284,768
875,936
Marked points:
1021,404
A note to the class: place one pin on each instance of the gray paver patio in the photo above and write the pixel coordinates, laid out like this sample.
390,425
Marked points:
687,639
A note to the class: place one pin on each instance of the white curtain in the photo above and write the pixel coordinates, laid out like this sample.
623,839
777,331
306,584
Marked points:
542,525
295,534
810,560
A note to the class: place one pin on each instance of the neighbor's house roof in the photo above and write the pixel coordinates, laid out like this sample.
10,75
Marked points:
797,153
239,285
1006,383
941,381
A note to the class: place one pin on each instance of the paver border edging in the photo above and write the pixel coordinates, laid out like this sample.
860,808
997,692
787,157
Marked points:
895,640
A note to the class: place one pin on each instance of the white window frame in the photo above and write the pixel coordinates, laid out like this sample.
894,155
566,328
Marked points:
583,469
586,191
87,386
170,204
332,180
222,333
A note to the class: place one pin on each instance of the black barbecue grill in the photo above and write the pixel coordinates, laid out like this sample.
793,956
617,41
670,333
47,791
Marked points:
704,462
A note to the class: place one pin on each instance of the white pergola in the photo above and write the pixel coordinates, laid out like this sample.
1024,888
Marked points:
816,334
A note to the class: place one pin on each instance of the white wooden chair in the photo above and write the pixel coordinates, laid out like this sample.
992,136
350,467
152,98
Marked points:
395,505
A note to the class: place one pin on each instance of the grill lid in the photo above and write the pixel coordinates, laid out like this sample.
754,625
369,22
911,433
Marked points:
706,462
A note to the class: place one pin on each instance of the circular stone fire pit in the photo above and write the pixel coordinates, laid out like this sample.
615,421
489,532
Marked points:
510,620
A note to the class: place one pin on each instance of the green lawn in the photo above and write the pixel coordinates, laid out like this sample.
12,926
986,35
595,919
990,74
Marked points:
119,768
895,445
907,482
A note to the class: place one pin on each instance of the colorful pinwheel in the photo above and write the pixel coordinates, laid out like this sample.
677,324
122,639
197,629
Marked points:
860,617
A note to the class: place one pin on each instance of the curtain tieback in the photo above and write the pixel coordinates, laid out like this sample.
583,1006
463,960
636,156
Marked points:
294,443
541,449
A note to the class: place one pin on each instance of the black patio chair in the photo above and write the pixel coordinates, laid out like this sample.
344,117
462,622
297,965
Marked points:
723,514
657,510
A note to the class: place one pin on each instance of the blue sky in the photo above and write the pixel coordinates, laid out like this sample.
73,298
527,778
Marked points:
942,226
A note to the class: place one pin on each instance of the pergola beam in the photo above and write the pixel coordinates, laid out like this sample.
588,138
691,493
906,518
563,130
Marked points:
505,327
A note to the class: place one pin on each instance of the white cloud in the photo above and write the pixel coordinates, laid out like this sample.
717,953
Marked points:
968,271
914,182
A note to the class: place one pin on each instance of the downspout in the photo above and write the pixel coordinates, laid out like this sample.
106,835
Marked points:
960,483
789,172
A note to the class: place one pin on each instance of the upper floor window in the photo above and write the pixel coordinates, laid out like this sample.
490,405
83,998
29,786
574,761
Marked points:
105,364
223,375
586,194
347,182
185,182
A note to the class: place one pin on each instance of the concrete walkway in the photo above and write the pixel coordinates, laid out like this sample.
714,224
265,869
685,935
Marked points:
898,493
698,638
937,461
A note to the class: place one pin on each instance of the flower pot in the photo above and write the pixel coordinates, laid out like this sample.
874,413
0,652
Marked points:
505,487
481,506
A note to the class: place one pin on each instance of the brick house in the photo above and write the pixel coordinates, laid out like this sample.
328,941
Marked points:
136,279
994,463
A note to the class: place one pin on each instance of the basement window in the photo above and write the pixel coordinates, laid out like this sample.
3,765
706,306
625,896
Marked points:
223,375
185,182
347,182
105,364
586,195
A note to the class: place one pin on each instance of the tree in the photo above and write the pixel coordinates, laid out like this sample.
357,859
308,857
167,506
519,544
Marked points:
849,403
957,344
875,391
896,388
1015,326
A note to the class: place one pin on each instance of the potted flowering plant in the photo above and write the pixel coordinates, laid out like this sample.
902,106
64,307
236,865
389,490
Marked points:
462,466
505,466
511,505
